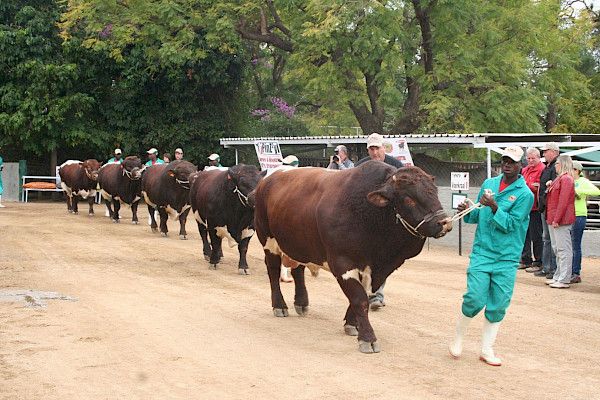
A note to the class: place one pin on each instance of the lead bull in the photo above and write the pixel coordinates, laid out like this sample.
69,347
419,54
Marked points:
360,224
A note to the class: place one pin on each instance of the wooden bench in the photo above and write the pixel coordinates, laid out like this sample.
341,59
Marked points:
46,179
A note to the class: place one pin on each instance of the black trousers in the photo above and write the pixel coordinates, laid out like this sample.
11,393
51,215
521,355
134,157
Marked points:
533,239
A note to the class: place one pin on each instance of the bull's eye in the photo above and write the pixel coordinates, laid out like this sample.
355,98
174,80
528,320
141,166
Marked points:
409,202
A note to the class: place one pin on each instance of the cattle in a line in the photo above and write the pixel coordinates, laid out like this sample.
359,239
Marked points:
361,224
79,180
166,189
220,205
121,183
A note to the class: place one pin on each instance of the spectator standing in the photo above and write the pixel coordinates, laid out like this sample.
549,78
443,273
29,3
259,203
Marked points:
117,157
167,158
214,161
178,154
532,173
583,188
153,158
501,227
377,152
1,189
550,152
560,216
340,159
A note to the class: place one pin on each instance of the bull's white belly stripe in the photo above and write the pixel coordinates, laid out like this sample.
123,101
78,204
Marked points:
223,233
171,211
199,218
136,198
85,193
147,200
363,277
273,247
66,189
247,232
105,195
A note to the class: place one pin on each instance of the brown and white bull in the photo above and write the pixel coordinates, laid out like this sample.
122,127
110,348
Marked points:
220,205
166,189
121,183
361,224
79,179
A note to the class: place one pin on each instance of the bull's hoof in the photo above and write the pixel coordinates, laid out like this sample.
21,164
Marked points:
183,237
212,266
243,271
163,234
207,258
75,212
154,230
368,347
301,310
280,312
91,214
135,222
116,221
350,330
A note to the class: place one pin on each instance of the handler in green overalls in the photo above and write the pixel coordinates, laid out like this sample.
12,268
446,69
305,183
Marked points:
502,223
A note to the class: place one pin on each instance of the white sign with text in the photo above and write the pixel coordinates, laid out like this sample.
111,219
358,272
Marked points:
268,153
459,181
398,148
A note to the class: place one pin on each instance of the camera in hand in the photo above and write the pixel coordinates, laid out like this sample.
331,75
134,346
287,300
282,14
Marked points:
336,158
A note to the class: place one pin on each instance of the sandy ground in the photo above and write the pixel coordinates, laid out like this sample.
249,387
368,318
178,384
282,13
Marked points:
151,321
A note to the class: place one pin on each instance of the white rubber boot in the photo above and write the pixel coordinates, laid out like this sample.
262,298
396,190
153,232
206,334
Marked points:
455,347
1,205
490,331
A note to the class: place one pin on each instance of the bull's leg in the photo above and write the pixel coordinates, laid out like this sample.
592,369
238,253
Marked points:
215,242
74,201
116,209
206,248
243,249
182,221
301,296
273,262
69,203
134,217
359,304
108,207
163,221
153,224
91,199
350,325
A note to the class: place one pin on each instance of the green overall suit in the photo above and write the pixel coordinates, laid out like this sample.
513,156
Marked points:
497,248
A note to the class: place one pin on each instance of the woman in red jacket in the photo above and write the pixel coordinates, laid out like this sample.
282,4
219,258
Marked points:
560,216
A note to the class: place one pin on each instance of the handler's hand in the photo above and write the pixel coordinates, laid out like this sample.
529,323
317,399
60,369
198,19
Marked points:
488,200
462,206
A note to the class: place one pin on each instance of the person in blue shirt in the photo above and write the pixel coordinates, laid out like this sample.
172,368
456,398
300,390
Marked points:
153,158
502,221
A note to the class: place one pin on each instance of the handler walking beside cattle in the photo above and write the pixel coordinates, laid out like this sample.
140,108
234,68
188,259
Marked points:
502,223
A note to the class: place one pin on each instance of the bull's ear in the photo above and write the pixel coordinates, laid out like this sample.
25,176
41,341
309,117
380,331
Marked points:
171,173
379,198
263,173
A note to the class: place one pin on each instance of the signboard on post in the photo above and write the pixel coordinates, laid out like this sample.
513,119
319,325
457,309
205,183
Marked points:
268,153
398,148
459,181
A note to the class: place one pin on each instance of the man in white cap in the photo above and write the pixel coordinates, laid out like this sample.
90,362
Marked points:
214,160
153,158
550,152
502,223
291,161
178,154
117,158
377,152
340,159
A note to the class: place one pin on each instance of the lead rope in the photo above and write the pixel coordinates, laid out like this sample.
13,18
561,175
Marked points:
473,206
243,198
183,183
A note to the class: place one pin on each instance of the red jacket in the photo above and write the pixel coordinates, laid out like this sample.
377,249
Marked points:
561,201
532,175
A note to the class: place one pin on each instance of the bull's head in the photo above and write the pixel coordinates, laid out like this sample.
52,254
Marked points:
91,168
244,179
181,171
414,197
132,167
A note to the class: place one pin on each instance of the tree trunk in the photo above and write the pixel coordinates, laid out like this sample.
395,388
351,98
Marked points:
53,162
409,122
551,116
368,122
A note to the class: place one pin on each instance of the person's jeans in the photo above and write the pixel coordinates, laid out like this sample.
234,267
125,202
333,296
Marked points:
534,236
378,295
576,235
548,257
562,246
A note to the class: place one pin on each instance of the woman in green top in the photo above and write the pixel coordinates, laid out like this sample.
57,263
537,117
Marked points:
583,188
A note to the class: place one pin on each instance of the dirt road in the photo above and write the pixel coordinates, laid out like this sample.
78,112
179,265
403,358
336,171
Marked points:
149,320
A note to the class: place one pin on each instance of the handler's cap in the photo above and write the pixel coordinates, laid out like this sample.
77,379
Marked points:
513,152
577,165
152,151
178,150
374,140
550,146
118,151
214,157
291,160
341,147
